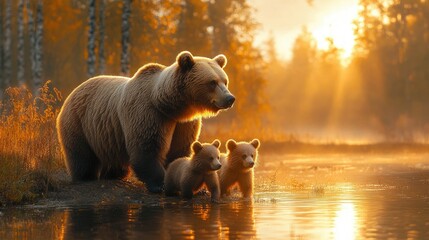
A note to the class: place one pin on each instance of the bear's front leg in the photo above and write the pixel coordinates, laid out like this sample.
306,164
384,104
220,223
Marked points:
148,169
245,182
212,182
225,183
184,135
146,158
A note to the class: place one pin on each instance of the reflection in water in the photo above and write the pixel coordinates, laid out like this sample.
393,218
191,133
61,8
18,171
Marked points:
345,222
228,221
174,220
355,214
390,206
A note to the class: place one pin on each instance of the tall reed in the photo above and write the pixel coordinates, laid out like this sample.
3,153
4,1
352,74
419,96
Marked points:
29,150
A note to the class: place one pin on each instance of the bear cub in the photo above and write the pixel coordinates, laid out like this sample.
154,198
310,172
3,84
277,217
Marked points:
188,175
238,165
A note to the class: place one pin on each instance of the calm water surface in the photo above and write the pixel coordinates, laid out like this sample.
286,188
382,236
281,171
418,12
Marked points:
323,201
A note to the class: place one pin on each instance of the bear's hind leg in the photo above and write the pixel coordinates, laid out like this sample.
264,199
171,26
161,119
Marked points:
81,161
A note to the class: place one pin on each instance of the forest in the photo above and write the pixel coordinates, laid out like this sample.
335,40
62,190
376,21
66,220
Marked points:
379,94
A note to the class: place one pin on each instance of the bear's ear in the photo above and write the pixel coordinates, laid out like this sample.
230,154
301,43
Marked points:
231,144
185,60
216,143
196,147
221,60
255,143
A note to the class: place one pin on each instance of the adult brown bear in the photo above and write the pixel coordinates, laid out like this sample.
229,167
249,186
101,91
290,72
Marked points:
110,123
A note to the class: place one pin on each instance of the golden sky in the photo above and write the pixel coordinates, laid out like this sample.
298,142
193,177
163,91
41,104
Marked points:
325,18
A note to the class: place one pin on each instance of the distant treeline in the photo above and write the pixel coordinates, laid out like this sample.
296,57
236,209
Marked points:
383,91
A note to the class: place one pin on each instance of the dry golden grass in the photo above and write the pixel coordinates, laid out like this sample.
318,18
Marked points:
29,150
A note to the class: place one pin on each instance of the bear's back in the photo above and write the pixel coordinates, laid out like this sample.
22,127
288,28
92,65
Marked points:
148,70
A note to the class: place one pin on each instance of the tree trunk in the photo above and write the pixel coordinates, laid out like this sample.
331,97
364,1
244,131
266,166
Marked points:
91,39
1,50
21,53
39,47
125,56
101,57
7,43
32,39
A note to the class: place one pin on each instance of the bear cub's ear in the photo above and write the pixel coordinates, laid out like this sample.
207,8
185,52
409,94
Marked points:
185,60
255,143
216,143
221,60
231,144
196,147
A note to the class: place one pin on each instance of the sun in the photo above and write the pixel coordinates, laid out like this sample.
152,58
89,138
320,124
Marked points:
337,25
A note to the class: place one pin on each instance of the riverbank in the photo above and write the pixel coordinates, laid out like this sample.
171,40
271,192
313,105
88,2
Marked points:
304,169
101,192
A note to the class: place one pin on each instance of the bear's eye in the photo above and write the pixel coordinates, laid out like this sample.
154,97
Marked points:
218,157
251,155
213,83
244,156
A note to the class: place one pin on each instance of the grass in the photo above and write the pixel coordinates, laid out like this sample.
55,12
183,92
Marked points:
29,150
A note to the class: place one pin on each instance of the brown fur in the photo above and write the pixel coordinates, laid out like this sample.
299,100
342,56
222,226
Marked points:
189,175
109,123
237,167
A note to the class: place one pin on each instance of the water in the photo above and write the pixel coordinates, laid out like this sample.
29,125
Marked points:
307,199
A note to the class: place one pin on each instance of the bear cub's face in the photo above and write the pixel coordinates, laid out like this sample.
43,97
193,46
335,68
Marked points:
244,154
206,155
206,82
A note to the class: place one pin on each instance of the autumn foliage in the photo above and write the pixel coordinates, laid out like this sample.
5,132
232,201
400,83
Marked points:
29,149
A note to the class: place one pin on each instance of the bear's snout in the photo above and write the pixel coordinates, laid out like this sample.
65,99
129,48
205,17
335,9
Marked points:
223,98
225,102
216,165
230,99
248,162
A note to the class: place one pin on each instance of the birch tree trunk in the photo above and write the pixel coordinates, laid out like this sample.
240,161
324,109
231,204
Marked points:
91,39
32,40
125,56
39,47
7,42
21,53
101,33
1,51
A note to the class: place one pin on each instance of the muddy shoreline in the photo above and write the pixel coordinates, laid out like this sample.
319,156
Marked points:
97,192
